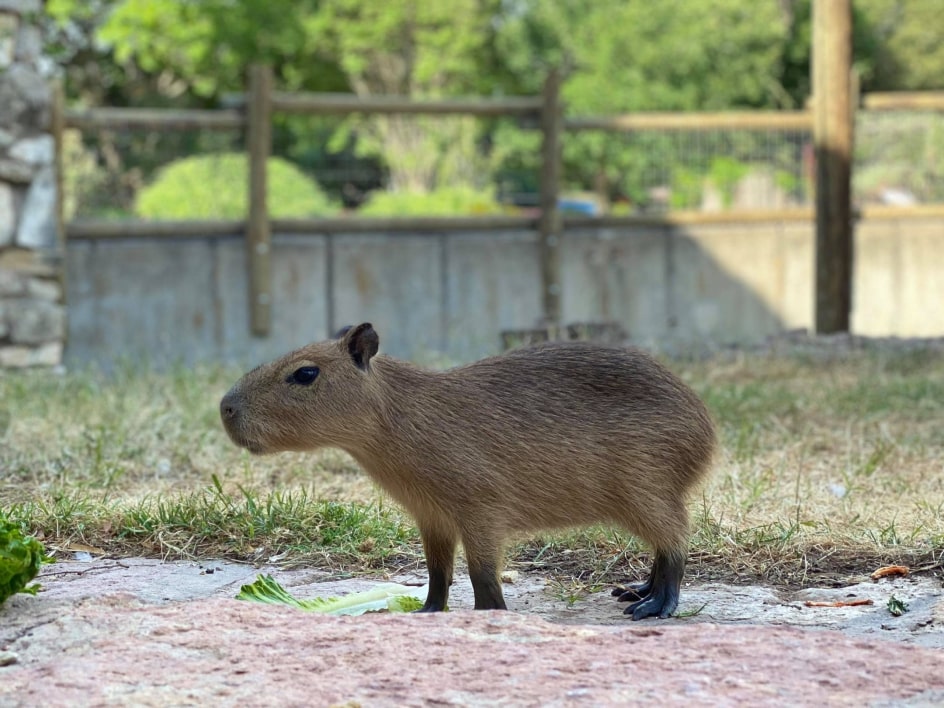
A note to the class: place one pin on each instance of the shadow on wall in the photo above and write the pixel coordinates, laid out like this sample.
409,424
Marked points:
434,298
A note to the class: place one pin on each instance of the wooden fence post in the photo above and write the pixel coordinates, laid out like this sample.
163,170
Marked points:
550,223
833,130
258,231
57,127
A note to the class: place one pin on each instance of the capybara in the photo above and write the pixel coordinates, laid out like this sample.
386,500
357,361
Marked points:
548,436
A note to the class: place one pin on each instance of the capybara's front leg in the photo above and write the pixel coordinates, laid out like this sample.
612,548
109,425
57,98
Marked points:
440,550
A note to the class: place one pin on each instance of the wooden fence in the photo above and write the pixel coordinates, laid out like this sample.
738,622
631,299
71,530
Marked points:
253,111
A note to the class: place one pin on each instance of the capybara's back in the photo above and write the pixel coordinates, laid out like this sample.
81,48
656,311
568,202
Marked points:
554,435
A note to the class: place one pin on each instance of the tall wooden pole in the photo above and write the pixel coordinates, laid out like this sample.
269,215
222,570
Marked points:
258,235
550,223
833,128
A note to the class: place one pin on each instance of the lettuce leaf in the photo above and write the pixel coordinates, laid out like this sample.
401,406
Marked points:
388,597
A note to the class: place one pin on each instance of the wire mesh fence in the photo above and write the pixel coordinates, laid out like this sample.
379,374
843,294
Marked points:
899,158
440,165
138,173
660,170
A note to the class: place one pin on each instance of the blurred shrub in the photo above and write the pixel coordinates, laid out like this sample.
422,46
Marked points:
445,201
216,187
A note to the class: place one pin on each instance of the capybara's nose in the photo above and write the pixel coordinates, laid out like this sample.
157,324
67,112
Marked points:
229,406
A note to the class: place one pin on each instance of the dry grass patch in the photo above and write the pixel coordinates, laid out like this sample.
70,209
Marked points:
829,465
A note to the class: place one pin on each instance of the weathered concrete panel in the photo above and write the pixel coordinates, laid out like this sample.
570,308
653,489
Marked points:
876,284
921,310
799,254
492,283
300,301
396,283
618,275
141,301
728,281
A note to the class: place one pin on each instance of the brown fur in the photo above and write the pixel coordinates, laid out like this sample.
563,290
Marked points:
548,436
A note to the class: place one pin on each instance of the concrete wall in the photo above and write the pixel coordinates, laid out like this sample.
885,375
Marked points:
437,297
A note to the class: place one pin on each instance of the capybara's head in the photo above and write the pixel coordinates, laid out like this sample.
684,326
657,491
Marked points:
318,396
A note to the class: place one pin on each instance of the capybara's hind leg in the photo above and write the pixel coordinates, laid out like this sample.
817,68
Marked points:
630,592
665,582
483,557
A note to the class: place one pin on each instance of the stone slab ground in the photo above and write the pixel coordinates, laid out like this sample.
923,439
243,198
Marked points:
145,633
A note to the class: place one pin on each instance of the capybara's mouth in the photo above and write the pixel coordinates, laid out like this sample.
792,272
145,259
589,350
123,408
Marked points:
253,446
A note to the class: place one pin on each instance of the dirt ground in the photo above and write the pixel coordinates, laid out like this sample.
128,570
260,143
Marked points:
143,632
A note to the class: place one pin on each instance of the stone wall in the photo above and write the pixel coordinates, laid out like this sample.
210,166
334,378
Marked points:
32,313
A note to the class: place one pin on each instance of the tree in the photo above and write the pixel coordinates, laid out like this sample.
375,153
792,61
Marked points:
909,53
416,48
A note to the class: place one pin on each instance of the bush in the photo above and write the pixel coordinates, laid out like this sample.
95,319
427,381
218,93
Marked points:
216,187
446,201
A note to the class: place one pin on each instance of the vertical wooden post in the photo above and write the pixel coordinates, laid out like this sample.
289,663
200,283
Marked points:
550,224
57,125
258,234
833,130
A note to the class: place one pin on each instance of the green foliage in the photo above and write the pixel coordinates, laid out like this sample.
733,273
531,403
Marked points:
905,37
205,47
216,187
21,557
447,201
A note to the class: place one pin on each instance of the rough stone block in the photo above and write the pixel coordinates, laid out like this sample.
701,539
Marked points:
16,171
30,262
36,322
29,43
8,31
20,7
4,324
37,227
18,357
7,215
35,150
44,289
12,283
25,97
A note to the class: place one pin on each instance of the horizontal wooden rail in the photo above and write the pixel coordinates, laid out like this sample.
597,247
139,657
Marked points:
111,229
343,103
133,228
915,211
398,224
904,100
741,120
690,218
157,118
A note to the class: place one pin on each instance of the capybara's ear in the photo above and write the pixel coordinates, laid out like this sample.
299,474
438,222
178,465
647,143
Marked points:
362,342
341,332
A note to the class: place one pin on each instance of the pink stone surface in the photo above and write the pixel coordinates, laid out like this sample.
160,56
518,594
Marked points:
116,650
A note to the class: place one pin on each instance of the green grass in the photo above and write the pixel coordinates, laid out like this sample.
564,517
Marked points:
828,467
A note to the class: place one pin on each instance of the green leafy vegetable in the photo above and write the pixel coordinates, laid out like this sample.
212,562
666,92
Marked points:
897,607
388,597
21,557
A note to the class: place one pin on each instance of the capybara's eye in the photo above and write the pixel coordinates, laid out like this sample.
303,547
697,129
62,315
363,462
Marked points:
304,376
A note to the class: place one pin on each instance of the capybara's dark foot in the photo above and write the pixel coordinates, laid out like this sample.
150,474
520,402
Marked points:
658,604
633,591
430,608
659,595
